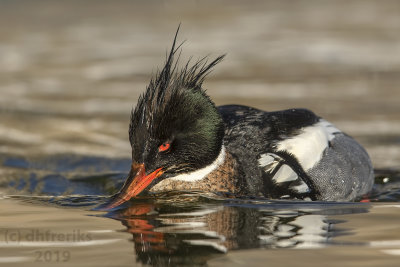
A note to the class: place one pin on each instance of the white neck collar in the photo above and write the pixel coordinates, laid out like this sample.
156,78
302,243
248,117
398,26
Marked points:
202,173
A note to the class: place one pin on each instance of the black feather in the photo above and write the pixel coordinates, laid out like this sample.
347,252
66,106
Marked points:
169,81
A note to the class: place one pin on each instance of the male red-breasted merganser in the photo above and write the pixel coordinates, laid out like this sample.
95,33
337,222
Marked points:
181,141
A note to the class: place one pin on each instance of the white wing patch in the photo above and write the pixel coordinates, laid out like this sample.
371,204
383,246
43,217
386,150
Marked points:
330,129
268,161
309,145
301,188
285,174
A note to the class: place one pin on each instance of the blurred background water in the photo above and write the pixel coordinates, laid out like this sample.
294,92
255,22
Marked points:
70,72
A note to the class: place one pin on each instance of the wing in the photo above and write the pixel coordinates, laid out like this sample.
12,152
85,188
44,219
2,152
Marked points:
287,166
284,144
284,178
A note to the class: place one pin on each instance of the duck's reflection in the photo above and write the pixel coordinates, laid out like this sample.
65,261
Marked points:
173,235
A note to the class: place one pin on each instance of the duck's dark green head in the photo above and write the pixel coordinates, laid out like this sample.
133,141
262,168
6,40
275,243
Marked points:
175,127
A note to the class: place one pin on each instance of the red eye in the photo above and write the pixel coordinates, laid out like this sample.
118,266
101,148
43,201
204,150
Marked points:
164,147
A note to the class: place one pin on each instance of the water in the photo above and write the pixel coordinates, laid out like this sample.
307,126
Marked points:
70,72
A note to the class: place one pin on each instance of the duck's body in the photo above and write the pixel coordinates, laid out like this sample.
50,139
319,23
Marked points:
289,154
182,141
297,154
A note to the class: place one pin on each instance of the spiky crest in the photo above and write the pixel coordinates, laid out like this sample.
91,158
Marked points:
168,82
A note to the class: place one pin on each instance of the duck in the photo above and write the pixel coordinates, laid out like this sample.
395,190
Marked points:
181,140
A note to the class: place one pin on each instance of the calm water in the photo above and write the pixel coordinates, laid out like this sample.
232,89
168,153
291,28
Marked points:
71,72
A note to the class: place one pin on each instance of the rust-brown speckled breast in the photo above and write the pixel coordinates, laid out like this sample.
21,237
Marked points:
223,179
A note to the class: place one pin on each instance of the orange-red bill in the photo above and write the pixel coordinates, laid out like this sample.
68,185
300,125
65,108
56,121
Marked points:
134,184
